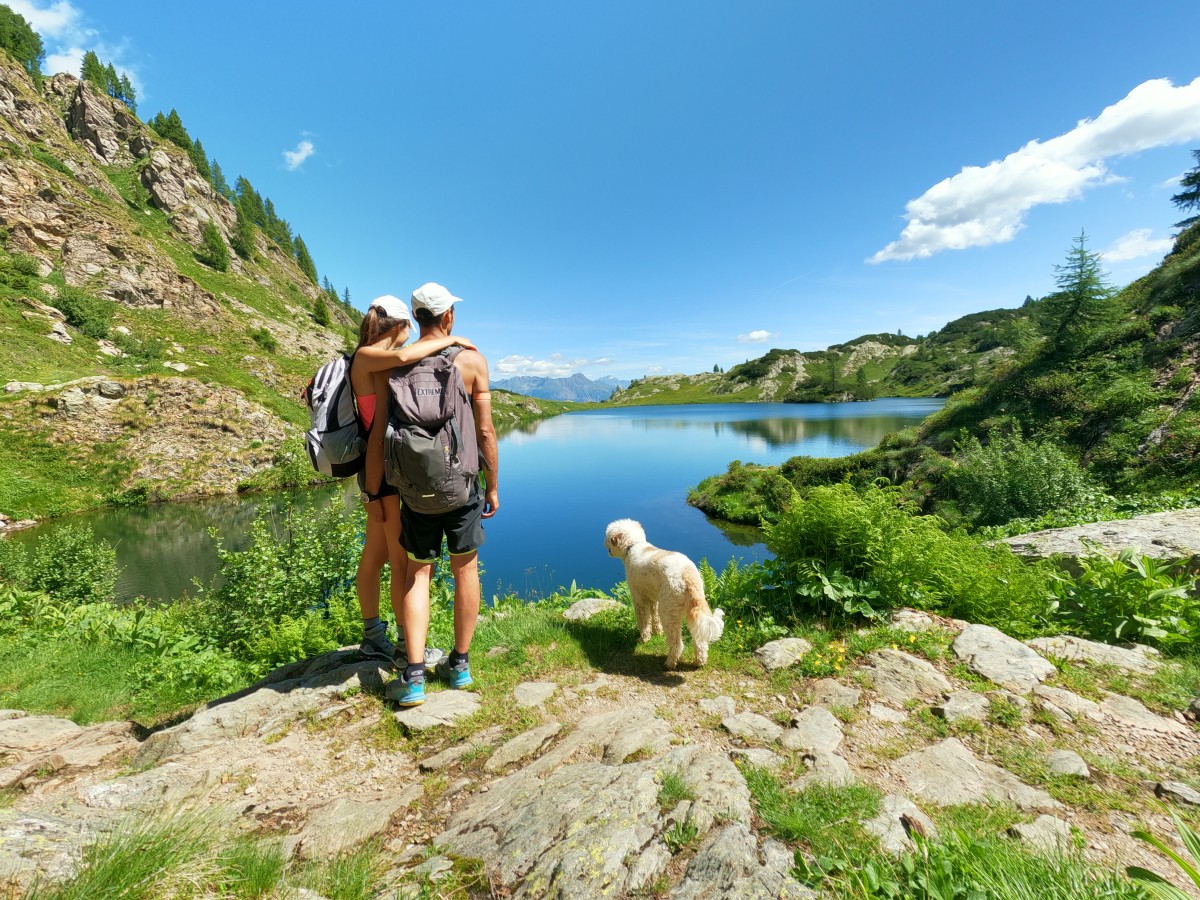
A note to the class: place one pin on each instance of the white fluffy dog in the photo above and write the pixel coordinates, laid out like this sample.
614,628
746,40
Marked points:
666,588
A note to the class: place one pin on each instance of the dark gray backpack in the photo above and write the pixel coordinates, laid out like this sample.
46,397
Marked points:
430,454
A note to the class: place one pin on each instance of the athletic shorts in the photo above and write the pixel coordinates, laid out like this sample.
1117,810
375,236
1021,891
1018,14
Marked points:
385,489
421,534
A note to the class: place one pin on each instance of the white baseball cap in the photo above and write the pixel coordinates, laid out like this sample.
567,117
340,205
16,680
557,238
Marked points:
393,307
433,297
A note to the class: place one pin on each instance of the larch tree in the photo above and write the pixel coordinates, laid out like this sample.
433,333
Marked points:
1189,198
1084,298
22,42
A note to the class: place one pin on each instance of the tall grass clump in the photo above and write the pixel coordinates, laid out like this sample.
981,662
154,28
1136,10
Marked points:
841,551
1012,478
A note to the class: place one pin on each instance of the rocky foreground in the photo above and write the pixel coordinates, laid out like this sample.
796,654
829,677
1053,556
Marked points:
561,795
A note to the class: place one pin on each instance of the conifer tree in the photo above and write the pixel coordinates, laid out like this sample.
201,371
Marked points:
171,127
321,311
307,266
1189,197
242,239
92,70
215,253
200,161
1083,299
220,185
22,42
128,95
346,298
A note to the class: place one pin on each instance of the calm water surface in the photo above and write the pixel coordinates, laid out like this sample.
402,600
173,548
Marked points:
562,481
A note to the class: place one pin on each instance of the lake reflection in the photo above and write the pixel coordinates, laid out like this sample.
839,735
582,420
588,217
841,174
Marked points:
562,481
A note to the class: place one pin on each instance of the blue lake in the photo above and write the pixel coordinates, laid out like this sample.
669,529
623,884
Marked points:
562,481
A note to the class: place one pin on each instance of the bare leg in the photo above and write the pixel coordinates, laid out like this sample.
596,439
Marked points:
416,609
370,565
465,569
396,557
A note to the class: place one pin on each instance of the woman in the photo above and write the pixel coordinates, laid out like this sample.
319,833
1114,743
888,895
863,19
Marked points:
381,339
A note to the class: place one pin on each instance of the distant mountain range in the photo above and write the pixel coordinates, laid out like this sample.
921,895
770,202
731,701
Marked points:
577,387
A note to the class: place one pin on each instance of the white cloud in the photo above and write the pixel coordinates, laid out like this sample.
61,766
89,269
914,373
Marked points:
293,159
754,337
54,21
984,205
654,368
1135,245
555,366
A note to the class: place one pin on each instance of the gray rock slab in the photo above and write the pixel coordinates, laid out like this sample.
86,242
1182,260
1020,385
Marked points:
913,620
570,832
1130,713
900,676
962,705
534,693
1076,649
890,825
813,728
781,653
759,757
1177,792
346,823
162,787
1046,833
887,714
948,774
752,727
823,768
267,707
1001,659
1067,762
522,746
1066,705
439,709
827,692
455,752
615,735
28,734
717,706
729,866
7,714
582,610
1166,536
40,846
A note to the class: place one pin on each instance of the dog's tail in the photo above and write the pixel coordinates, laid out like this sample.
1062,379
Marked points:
704,624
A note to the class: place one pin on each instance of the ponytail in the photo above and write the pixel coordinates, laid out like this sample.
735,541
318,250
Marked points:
376,324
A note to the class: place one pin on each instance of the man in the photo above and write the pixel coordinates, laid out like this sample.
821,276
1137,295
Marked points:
421,534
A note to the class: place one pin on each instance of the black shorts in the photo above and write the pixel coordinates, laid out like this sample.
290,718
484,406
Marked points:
421,534
385,489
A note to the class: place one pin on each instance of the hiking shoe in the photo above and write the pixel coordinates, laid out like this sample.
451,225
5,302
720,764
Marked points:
459,676
412,692
433,656
377,645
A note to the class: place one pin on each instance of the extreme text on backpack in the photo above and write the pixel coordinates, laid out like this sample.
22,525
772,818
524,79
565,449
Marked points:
430,452
336,443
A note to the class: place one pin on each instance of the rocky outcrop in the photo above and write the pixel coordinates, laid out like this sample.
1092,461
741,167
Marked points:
1173,535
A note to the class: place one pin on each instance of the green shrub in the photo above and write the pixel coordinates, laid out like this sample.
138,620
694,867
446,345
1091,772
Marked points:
71,565
1010,478
1129,598
876,542
264,339
213,251
89,314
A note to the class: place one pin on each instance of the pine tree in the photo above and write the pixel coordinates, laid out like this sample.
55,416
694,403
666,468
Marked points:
215,253
242,239
93,70
220,185
307,266
128,95
171,128
1189,197
321,311
1083,300
200,161
346,298
22,42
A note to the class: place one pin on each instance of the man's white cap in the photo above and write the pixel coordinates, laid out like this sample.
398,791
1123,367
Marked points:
393,307
434,298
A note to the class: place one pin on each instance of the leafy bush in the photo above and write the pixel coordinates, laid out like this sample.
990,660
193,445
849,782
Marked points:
72,566
877,547
271,590
1129,598
213,251
89,314
264,339
1011,478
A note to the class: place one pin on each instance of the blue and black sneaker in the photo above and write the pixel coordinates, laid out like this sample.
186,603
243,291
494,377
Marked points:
456,671
412,689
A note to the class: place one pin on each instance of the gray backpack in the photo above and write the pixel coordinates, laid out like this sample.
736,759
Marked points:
430,454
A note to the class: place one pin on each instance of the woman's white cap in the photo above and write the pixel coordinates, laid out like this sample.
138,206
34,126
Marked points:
433,297
393,307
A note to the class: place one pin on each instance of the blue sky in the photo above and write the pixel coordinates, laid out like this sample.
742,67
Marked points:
631,188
